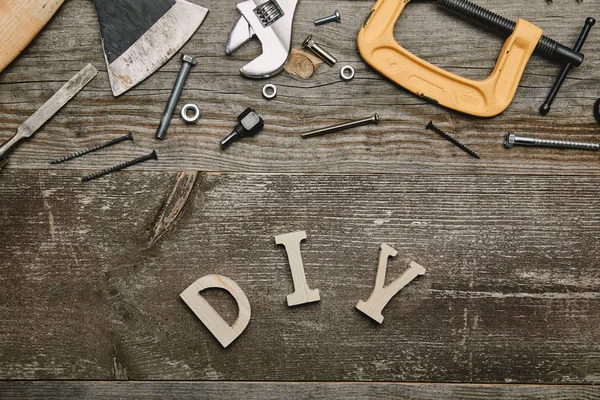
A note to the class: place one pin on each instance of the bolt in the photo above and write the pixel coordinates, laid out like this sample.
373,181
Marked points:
342,127
316,48
511,140
89,150
95,175
187,63
335,17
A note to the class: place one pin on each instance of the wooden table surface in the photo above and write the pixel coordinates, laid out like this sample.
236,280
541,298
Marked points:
91,273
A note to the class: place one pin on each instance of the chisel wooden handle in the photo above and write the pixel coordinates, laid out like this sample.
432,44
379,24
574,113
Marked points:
20,22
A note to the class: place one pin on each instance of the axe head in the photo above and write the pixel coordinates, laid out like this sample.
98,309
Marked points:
139,36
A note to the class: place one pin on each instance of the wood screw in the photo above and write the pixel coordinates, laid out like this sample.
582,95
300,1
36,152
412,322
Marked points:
511,140
95,175
89,150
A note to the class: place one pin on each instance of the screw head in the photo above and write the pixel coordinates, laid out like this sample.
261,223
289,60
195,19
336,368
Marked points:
308,42
376,119
509,140
338,16
189,59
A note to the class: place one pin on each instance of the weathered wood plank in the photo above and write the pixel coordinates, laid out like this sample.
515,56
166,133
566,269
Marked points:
295,390
510,295
400,144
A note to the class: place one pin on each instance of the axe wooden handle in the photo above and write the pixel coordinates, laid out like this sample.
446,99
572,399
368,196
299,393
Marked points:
20,22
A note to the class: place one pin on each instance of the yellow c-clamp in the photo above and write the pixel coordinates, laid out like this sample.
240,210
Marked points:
483,98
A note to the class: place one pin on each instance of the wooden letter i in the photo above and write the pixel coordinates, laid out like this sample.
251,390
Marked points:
302,293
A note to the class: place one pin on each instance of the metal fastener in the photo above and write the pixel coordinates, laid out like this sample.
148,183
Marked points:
347,73
269,91
194,116
316,48
511,140
187,63
449,138
95,175
341,127
89,150
335,17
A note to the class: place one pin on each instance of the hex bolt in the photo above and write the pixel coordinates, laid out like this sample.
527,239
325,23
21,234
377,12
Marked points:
316,48
335,17
511,140
187,63
89,150
342,127
96,175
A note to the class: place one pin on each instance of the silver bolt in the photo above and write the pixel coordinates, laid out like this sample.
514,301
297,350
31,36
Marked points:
341,127
335,17
511,140
187,63
316,48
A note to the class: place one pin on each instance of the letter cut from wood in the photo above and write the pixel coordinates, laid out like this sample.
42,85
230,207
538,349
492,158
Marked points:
380,295
302,293
224,333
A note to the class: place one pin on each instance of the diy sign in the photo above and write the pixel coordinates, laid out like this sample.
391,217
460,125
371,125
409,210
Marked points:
302,294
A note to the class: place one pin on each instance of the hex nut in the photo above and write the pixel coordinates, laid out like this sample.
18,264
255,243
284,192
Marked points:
269,91
190,119
347,73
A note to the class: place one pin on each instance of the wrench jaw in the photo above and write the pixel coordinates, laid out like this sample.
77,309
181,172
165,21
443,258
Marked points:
275,37
239,36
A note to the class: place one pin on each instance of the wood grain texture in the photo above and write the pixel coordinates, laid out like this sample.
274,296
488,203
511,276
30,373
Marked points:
277,391
511,292
400,144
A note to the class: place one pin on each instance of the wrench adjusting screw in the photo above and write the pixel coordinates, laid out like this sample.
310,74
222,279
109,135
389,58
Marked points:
319,51
511,140
335,17
187,63
342,127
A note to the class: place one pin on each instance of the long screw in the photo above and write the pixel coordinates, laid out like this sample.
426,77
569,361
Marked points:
505,27
511,140
449,138
89,150
585,31
95,175
187,63
317,49
335,17
341,127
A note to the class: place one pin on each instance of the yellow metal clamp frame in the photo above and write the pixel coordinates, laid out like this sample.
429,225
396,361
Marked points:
484,98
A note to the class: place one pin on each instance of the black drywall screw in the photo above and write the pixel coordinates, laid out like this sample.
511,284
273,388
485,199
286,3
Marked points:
449,138
505,27
186,64
585,31
95,175
89,150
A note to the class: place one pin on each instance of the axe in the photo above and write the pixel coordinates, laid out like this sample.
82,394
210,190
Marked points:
138,36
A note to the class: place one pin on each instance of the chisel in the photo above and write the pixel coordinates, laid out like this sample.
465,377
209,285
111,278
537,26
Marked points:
51,107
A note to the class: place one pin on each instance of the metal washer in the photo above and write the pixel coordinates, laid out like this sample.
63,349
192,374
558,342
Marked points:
269,91
347,72
195,117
